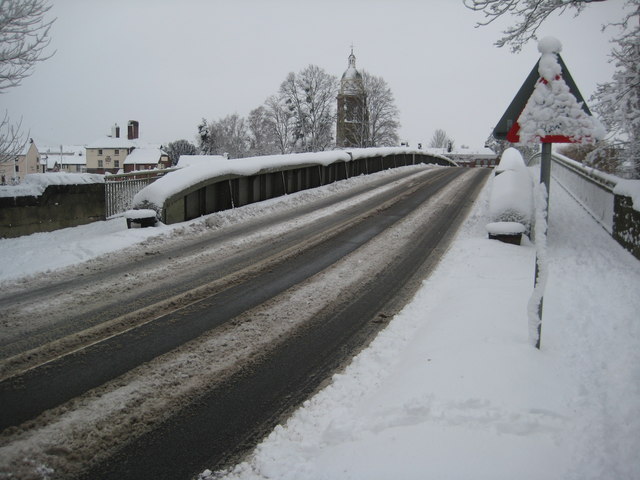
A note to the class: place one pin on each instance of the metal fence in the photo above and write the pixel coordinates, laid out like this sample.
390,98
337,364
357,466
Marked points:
121,188
591,188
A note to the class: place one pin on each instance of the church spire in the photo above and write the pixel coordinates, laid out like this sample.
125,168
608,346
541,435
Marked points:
352,59
353,118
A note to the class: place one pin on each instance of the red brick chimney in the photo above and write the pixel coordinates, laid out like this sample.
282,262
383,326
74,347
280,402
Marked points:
133,130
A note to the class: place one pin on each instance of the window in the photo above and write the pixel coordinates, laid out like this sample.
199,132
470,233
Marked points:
100,165
99,151
117,152
17,168
116,163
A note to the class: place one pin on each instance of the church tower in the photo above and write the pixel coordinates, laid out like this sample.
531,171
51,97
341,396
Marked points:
353,118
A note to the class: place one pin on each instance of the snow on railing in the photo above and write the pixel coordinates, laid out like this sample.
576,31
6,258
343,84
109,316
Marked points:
589,187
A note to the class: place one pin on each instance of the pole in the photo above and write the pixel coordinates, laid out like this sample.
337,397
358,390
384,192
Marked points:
545,178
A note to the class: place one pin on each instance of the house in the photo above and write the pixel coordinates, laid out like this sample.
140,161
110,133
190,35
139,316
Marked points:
13,170
65,158
107,155
146,158
111,153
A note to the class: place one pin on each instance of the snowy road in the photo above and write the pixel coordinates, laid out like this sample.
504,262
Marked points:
187,322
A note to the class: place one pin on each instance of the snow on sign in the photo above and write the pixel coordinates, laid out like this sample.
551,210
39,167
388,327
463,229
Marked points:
548,108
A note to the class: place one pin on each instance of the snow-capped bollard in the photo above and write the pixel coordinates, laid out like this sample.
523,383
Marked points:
506,232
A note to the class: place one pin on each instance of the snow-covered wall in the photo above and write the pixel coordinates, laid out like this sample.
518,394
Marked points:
59,204
592,189
35,184
206,187
611,201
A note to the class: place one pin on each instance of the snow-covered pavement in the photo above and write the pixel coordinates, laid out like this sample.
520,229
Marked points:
452,389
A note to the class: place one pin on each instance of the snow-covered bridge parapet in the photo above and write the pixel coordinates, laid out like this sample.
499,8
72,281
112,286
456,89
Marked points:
613,202
49,201
215,184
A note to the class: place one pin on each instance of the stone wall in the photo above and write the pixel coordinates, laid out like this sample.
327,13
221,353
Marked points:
626,224
59,206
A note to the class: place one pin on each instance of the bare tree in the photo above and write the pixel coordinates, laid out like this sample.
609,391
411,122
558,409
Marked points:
531,14
281,119
179,147
310,97
12,140
24,35
618,101
381,111
228,135
262,132
440,139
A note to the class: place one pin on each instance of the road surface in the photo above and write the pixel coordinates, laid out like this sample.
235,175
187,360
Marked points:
215,340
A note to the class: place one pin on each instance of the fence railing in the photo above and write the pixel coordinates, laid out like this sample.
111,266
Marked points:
120,189
589,187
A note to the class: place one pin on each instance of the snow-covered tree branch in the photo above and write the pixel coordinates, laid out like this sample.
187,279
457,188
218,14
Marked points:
618,101
24,35
531,14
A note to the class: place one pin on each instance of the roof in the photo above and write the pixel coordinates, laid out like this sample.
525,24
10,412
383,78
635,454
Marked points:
114,142
147,155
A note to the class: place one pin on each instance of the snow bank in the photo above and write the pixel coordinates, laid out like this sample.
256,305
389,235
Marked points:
36,183
200,169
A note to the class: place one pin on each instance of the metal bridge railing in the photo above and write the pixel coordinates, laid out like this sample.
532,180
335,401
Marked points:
121,188
589,187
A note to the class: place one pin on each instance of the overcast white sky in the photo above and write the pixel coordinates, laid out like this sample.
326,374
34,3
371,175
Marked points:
170,63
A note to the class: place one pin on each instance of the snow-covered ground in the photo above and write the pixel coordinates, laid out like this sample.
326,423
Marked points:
452,389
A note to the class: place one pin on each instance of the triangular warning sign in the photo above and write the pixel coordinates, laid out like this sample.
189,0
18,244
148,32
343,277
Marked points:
508,127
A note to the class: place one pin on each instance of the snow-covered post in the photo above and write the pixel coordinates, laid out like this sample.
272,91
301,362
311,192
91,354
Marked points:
542,214
552,115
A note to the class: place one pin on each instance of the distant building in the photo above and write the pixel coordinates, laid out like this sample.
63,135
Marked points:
13,170
470,157
110,154
146,158
64,158
352,129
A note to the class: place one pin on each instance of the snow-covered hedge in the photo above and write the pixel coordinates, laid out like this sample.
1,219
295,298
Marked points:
511,198
35,184
511,159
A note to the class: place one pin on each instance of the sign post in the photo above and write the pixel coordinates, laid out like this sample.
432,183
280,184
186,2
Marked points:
547,109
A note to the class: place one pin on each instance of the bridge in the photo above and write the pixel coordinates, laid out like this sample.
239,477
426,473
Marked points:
215,186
